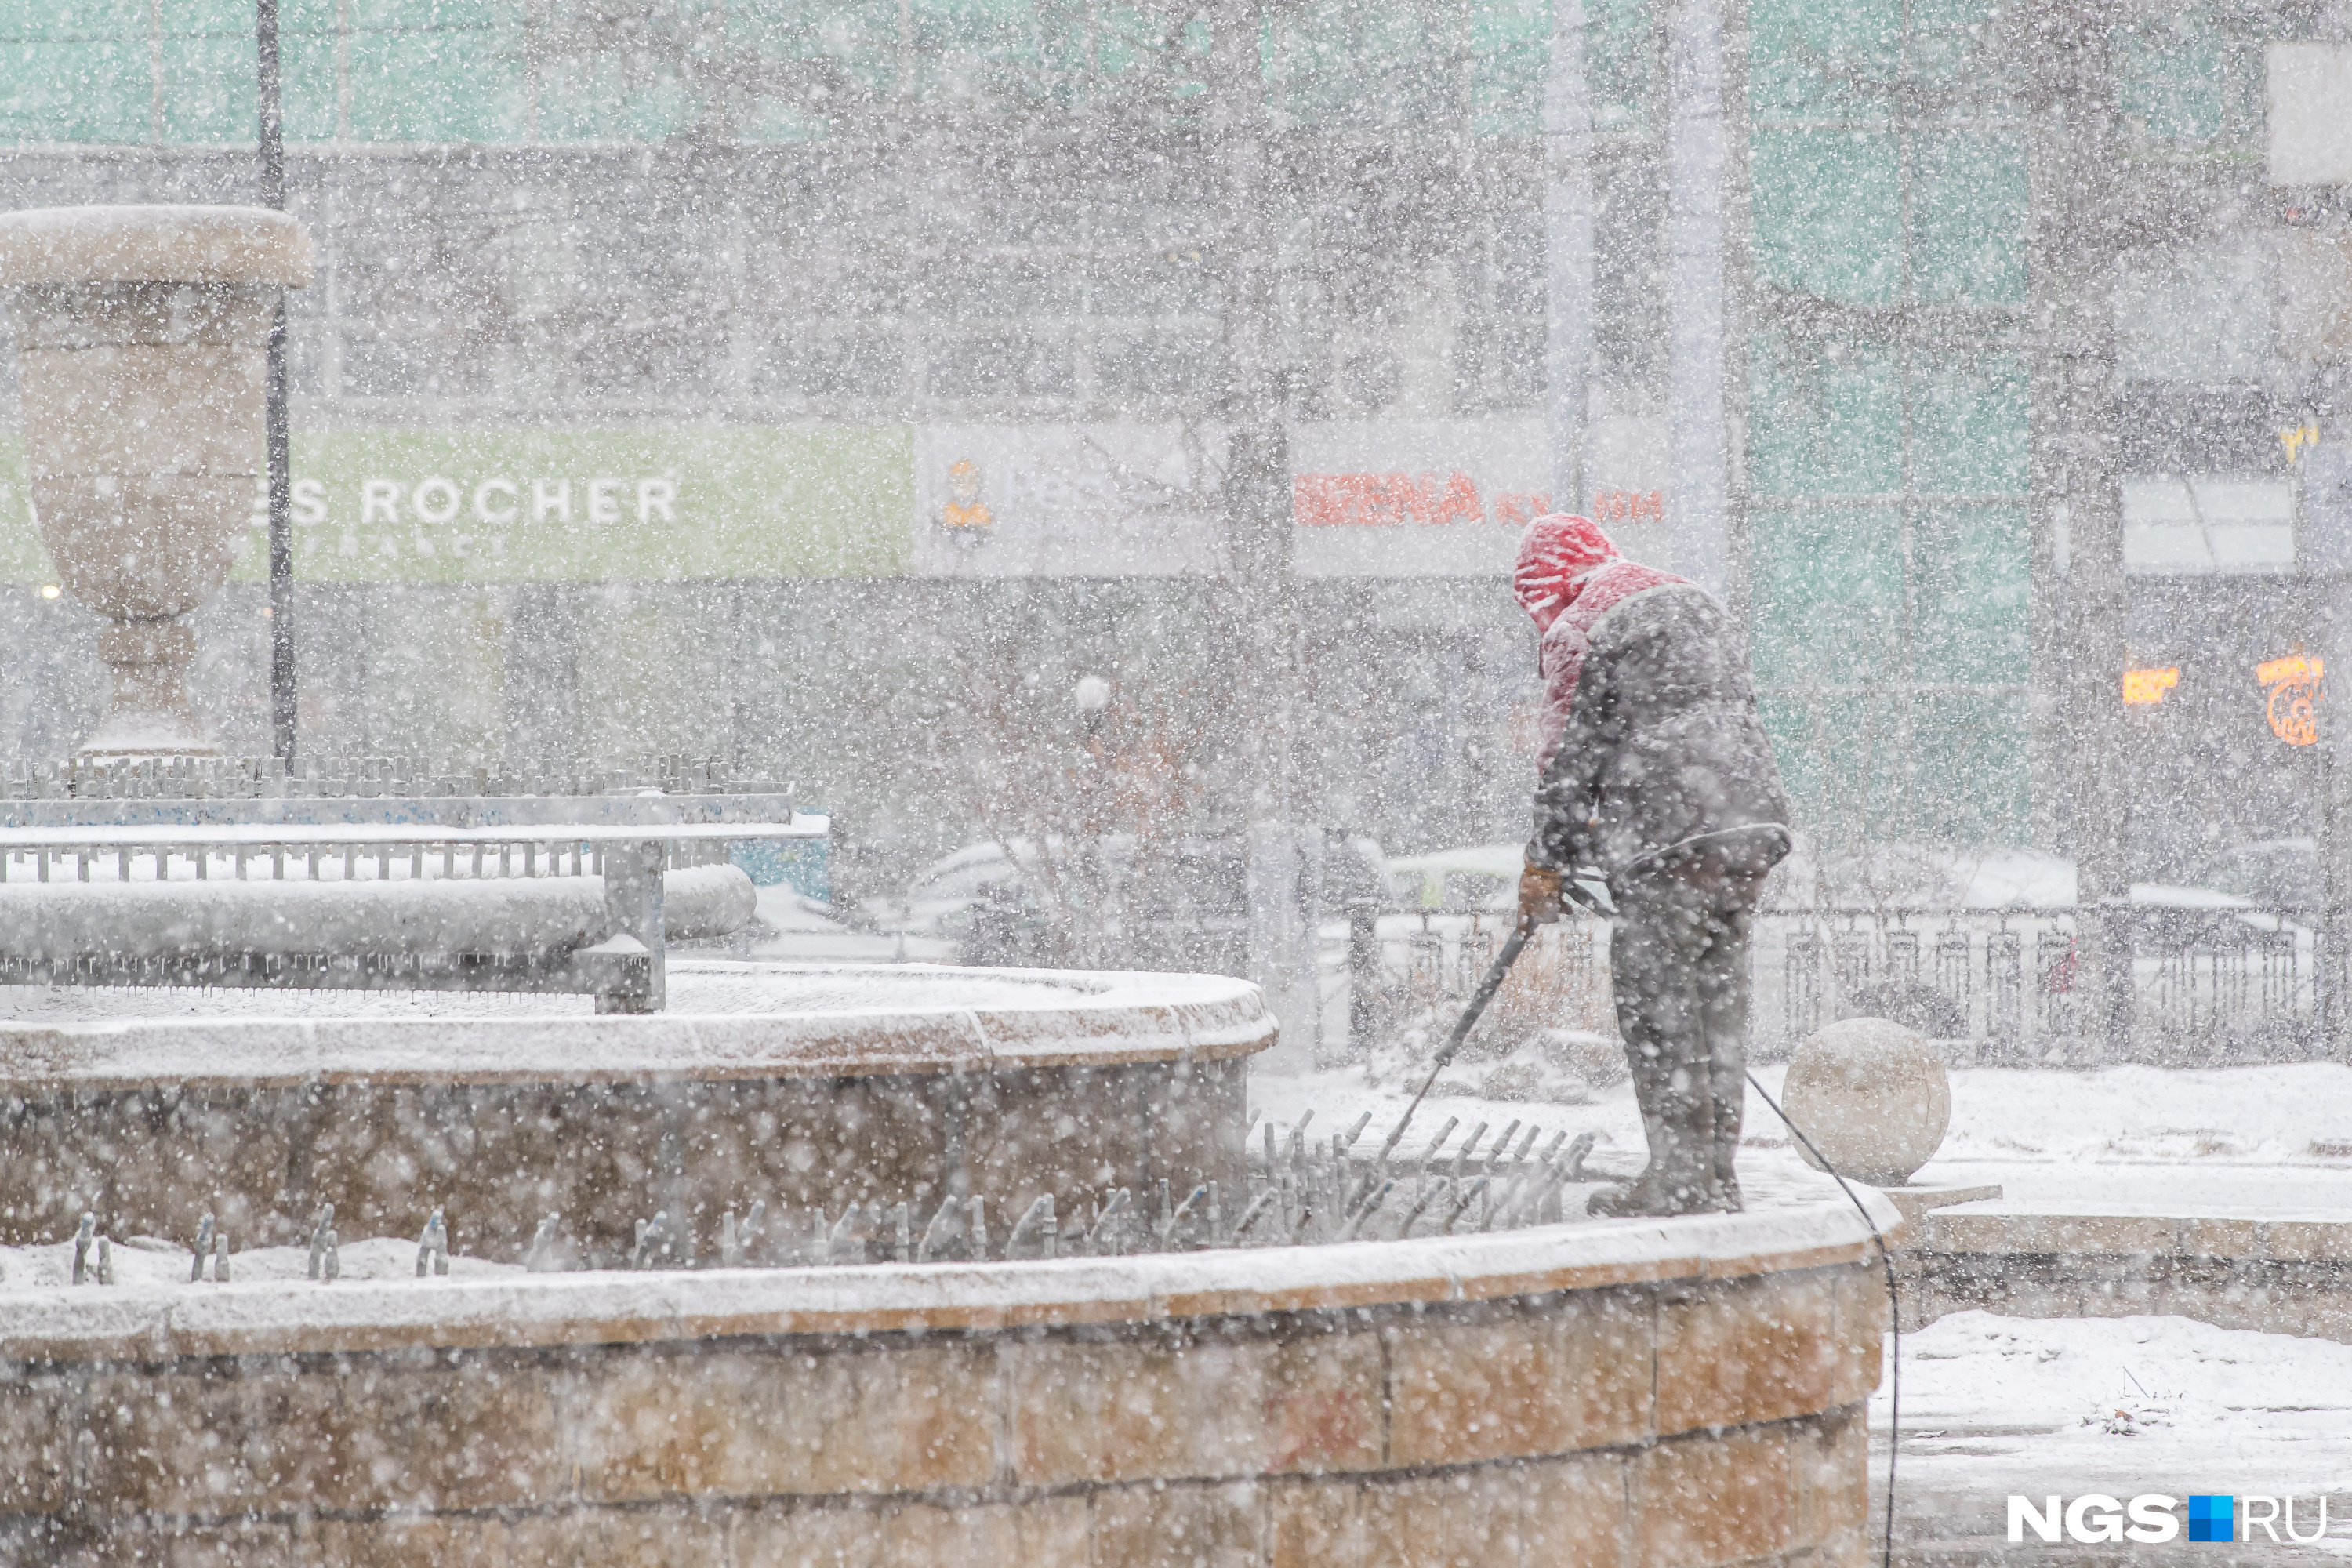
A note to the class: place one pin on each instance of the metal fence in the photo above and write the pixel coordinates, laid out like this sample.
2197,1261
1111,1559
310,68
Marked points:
2210,986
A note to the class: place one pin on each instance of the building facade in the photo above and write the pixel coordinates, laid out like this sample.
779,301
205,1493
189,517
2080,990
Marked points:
841,383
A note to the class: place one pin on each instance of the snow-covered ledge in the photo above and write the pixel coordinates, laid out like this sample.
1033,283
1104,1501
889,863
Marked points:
1684,1392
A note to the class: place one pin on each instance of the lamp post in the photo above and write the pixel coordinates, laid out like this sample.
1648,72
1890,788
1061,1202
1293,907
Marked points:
1261,606
1092,695
277,439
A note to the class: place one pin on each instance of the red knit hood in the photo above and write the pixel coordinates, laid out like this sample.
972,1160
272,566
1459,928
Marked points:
1557,553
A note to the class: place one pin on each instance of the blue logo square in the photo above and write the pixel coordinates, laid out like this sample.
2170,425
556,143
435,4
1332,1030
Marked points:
2213,1518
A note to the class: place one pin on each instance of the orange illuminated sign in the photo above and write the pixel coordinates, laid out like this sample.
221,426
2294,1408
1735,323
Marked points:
2293,705
2148,686
2294,667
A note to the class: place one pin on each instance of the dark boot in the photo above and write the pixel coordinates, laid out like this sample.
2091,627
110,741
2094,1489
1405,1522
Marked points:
1722,983
1678,1116
1726,1194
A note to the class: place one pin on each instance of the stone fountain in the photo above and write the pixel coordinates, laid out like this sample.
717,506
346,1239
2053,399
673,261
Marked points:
718,1259
141,333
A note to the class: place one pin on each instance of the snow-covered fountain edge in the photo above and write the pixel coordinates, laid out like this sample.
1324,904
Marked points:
1691,1389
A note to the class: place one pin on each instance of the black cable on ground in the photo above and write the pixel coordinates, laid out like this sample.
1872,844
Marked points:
1894,1317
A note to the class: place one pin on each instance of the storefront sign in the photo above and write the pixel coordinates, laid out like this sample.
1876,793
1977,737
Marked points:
439,506
2292,706
1393,498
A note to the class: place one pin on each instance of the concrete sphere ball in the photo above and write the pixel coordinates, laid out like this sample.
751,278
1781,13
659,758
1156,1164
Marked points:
1874,1098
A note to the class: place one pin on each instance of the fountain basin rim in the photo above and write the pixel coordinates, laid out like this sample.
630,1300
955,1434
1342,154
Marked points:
70,1324
1111,1018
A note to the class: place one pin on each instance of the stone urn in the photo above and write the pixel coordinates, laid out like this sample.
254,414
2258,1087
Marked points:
142,333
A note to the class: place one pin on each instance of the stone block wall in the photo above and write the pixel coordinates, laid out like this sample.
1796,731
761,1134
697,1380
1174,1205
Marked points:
1653,1415
261,1115
2287,1276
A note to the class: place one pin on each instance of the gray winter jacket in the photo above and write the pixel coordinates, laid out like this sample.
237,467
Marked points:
1663,751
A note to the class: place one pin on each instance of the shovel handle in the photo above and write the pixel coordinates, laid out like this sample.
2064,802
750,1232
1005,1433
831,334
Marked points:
1478,999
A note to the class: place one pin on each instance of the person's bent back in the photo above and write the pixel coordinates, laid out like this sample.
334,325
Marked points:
1656,774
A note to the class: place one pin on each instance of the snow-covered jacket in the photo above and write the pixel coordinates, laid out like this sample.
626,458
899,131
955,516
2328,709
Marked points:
1649,738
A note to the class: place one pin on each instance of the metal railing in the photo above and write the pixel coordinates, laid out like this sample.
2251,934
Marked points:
2209,984
407,852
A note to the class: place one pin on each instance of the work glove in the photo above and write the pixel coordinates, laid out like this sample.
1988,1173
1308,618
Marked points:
1539,895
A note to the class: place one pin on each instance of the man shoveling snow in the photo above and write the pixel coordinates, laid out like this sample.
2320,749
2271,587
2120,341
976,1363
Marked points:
1657,775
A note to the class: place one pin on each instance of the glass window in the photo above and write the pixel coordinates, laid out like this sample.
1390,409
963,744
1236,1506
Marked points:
1970,779
1840,755
1948,46
76,90
1828,213
1967,216
2172,87
850,46
1510,51
1825,418
210,93
615,95
305,85
1971,621
437,87
1821,59
1969,416
1828,596
1620,61
977,48
1347,65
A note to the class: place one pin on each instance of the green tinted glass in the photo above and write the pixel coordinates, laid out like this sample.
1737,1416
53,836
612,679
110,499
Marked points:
1510,50
77,91
1349,65
83,21
2172,88
850,48
1814,59
438,86
204,18
988,49
1825,418
1970,779
613,96
1620,61
1948,41
1971,572
1828,214
307,86
1969,423
1827,592
1967,216
1841,757
210,94
419,15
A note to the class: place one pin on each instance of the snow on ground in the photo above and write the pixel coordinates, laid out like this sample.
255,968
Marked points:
2269,1141
803,932
2124,1407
